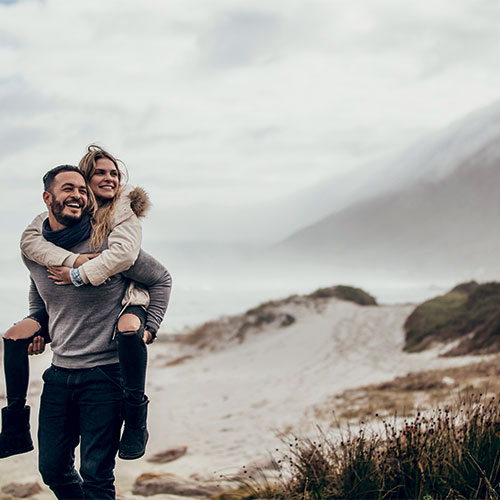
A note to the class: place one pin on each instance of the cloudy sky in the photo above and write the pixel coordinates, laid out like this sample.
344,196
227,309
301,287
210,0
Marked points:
221,103
223,106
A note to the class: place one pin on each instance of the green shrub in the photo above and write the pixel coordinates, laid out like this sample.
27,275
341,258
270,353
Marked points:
470,312
345,292
434,319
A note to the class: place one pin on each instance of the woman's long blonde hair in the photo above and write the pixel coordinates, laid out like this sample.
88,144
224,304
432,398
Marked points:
101,211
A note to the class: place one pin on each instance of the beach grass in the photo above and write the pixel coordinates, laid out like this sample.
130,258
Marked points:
450,452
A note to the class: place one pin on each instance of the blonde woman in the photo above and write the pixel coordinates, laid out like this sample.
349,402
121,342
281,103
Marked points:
114,209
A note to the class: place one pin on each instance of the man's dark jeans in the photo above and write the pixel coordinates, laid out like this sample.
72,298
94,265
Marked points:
80,406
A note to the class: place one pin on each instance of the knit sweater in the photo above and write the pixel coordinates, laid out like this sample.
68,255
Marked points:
82,320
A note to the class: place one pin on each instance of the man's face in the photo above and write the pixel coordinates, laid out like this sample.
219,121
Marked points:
67,198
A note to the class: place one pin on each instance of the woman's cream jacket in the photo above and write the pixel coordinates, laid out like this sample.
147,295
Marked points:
124,243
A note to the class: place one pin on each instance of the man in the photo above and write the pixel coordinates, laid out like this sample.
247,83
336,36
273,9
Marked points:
82,396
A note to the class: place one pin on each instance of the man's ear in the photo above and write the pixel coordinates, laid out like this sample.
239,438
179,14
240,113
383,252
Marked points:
47,198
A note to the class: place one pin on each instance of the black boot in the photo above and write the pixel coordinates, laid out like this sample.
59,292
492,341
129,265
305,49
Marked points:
135,434
15,437
73,491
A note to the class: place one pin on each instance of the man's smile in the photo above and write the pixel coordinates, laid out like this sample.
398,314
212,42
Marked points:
74,204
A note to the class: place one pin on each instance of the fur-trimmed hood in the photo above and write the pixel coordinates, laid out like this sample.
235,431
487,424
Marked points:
139,201
132,200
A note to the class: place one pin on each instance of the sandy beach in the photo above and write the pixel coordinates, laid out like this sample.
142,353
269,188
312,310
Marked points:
229,405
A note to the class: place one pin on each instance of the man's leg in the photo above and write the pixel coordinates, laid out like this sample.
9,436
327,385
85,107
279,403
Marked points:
100,404
58,437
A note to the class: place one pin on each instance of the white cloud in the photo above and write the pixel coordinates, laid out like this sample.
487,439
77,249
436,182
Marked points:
238,38
225,103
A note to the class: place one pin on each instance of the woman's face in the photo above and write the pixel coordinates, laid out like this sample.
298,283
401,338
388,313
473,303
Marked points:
104,181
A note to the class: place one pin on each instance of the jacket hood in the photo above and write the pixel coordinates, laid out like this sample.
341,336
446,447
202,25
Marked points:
139,201
132,201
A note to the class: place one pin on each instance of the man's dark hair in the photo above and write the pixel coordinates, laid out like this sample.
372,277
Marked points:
49,177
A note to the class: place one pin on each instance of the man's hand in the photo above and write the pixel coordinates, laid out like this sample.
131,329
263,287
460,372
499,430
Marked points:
147,337
37,346
84,257
59,274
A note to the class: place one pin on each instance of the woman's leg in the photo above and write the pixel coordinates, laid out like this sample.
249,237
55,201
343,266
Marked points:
133,360
15,360
133,353
15,437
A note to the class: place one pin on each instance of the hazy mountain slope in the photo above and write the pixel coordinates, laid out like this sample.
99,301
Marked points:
446,225
394,166
432,158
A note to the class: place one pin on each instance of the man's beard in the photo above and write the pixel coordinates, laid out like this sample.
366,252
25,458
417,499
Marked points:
65,220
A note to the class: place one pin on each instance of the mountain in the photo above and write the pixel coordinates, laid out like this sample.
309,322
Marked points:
442,222
429,159
393,167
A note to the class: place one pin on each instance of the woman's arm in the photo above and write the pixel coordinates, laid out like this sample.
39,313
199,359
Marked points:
124,243
37,248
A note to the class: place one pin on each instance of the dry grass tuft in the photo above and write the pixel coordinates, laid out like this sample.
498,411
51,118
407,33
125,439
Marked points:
420,391
451,452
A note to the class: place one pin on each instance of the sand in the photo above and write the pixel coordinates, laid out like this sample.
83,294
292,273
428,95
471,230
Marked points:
230,406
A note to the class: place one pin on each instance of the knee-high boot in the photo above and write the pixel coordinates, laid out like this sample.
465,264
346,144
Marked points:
15,437
133,359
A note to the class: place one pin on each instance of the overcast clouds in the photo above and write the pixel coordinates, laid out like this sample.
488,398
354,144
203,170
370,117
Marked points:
220,107
225,102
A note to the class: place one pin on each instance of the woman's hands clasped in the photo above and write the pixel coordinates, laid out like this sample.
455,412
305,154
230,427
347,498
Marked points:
60,274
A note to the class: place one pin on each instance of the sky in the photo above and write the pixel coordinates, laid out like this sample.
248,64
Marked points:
226,107
221,104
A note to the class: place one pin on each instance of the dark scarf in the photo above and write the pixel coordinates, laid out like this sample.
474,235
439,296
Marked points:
70,236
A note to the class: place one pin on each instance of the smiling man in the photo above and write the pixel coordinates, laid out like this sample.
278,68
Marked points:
66,200
71,199
82,396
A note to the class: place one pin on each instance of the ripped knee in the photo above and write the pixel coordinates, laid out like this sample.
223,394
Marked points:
129,324
23,330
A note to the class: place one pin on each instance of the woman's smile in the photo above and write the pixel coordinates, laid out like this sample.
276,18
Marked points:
104,181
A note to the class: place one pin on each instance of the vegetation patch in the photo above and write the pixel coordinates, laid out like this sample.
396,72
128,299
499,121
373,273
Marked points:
345,292
217,334
451,452
404,396
469,315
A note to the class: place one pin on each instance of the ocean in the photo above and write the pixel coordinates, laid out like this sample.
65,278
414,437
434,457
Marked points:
196,300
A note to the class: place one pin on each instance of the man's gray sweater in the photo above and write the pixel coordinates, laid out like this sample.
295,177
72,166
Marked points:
82,320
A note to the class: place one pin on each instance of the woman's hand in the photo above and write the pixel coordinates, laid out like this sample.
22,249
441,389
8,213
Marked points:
59,274
147,337
84,257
